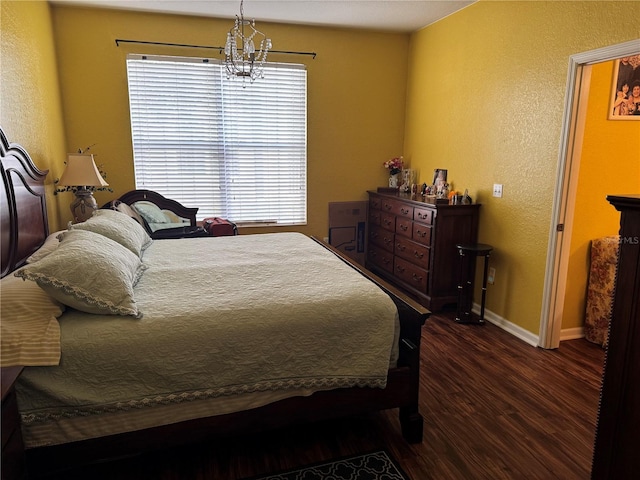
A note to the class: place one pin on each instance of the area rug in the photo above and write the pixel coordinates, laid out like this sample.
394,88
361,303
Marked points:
371,466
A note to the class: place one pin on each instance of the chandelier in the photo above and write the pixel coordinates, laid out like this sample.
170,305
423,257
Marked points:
240,56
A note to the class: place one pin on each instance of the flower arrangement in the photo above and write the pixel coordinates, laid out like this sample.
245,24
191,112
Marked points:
394,165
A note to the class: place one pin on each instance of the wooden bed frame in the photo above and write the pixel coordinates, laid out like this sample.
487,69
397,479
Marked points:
24,229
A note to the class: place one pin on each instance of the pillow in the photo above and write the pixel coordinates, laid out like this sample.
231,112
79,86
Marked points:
127,210
150,212
49,245
89,272
118,227
30,332
173,218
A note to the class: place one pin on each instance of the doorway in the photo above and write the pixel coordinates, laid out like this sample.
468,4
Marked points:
567,173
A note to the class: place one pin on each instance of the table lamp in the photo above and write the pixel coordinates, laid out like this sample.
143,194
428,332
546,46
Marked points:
81,173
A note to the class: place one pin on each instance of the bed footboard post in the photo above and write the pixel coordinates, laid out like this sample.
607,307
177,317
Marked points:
411,420
412,317
411,423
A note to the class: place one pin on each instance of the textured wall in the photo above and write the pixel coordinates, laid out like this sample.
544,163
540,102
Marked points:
485,100
30,110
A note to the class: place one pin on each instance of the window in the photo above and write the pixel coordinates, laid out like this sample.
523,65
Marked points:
235,150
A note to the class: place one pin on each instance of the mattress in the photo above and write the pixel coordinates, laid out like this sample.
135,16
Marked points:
228,323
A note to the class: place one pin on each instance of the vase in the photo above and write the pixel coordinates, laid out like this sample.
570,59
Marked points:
83,206
393,180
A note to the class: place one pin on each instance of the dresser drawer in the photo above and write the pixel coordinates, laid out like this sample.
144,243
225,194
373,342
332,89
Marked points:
422,233
388,221
374,217
410,274
381,237
397,207
413,252
381,258
424,215
404,210
404,227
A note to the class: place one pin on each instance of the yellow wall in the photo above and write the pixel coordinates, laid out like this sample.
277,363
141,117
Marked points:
609,164
485,100
30,110
356,95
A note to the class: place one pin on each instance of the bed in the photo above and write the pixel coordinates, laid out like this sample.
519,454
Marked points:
228,358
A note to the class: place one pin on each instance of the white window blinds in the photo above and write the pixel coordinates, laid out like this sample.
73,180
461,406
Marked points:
235,150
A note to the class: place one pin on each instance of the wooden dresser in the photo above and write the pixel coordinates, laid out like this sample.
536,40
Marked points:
617,440
412,243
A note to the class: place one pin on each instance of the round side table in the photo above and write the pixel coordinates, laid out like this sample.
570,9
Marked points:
467,264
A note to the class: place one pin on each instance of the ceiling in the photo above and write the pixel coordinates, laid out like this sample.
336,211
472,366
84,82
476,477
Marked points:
385,15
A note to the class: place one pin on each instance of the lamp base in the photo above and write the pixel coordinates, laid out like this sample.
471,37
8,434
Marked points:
83,206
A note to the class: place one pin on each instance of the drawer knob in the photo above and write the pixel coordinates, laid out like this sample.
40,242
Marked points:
417,254
400,247
404,227
404,211
400,269
417,278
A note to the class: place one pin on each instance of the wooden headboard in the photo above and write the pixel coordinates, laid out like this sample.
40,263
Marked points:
23,212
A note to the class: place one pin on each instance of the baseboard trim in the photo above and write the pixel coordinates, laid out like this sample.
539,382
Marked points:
521,333
515,330
571,333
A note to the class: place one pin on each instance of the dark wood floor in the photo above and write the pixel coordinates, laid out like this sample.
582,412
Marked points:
494,408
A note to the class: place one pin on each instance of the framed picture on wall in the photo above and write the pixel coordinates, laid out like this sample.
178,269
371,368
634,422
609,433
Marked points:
625,91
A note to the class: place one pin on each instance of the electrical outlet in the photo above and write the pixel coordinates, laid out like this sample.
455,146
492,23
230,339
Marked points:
497,190
491,278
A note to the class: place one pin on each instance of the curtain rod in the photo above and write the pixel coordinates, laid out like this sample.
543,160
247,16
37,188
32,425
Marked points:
220,49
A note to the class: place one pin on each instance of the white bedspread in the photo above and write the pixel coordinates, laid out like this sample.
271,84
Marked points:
273,313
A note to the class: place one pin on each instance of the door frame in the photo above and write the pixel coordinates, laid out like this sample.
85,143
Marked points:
566,180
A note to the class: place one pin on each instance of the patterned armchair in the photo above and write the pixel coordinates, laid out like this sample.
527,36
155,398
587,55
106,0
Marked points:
602,281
